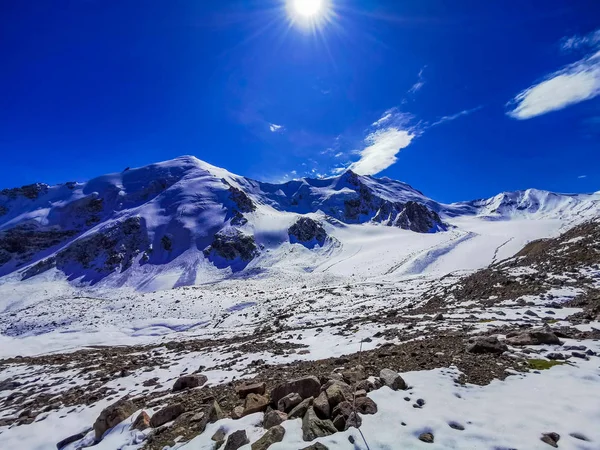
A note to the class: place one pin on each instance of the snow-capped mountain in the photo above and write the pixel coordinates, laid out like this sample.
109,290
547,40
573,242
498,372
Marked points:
188,213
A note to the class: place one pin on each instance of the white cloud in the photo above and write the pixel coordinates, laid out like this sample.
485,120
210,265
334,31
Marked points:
419,84
582,176
387,116
466,112
338,155
380,153
571,43
572,84
274,127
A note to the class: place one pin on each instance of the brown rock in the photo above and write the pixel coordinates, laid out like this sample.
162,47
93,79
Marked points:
304,387
426,437
141,422
244,389
113,415
313,427
338,392
365,405
238,412
189,381
392,379
551,439
255,403
166,414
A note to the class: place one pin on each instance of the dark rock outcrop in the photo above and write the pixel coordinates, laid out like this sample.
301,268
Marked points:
307,231
233,245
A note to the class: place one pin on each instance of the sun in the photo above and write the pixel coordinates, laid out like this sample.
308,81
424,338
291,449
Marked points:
311,14
307,8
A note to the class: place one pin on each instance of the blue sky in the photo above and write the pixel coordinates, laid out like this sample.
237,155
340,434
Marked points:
461,99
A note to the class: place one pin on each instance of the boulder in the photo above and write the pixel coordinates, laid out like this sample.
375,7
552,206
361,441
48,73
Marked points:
219,435
71,439
255,388
534,337
354,375
274,417
426,437
487,344
288,402
236,440
113,415
316,446
166,414
551,439
141,422
273,435
189,381
304,387
215,412
365,405
255,403
344,416
321,406
313,427
337,392
392,379
300,409
238,412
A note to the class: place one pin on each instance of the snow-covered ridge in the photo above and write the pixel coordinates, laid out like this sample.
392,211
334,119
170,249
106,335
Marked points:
206,223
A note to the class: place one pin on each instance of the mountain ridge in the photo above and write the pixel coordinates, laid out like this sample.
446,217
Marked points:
152,215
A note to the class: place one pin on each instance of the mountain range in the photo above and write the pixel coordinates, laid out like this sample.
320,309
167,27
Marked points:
203,222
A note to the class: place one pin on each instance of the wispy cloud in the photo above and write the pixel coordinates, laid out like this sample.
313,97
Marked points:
387,116
420,82
577,42
582,176
382,147
275,128
466,112
572,84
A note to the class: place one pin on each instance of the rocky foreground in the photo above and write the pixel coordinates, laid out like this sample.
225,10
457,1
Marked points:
506,357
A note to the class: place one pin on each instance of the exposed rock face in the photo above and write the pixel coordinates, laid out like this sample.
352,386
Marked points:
241,200
30,191
23,242
307,231
112,248
233,245
111,416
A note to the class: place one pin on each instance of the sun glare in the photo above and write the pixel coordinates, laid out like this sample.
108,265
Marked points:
307,8
309,13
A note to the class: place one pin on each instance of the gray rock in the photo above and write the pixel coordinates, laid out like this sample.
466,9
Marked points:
487,344
426,437
219,435
300,409
530,313
275,434
273,418
534,337
71,439
236,440
321,406
354,375
551,439
304,387
392,379
555,356
337,392
287,403
313,427
316,446
189,381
